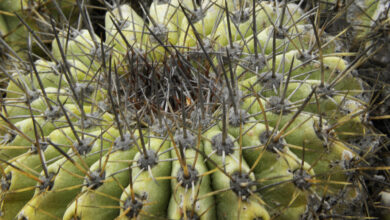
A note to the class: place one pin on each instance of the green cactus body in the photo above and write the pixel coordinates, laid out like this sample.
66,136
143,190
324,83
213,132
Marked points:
273,163
304,131
190,195
21,188
335,72
23,140
35,14
300,37
104,186
230,204
50,76
363,12
17,33
131,26
203,20
333,66
132,32
83,47
21,143
150,186
166,19
68,180
19,109
338,107
3,26
266,14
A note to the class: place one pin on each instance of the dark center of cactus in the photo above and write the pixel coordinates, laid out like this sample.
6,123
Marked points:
134,206
123,143
277,105
136,59
6,182
46,183
159,33
121,92
237,118
95,179
190,215
84,146
189,179
53,113
185,140
272,144
242,185
146,162
301,179
42,144
222,146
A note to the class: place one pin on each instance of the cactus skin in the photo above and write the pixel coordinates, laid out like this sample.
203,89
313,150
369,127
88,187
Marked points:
111,184
184,199
67,182
156,192
35,14
230,204
150,126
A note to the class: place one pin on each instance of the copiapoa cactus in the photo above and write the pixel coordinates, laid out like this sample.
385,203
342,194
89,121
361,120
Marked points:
184,109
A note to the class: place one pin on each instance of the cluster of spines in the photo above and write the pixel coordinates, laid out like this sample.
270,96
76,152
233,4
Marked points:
275,145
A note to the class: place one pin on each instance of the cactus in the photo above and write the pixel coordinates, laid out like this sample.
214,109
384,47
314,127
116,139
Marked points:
213,109
35,16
